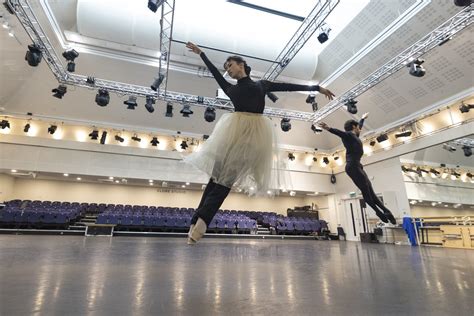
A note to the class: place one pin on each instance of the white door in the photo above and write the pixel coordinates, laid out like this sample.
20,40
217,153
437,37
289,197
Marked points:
355,219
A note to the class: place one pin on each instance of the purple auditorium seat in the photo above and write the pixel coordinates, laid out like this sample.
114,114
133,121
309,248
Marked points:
49,218
102,219
181,222
299,227
213,224
221,223
159,221
136,220
148,220
126,220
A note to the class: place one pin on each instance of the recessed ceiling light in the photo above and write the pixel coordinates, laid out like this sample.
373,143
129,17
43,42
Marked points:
183,186
151,181
111,178
13,170
187,183
79,179
66,174
117,181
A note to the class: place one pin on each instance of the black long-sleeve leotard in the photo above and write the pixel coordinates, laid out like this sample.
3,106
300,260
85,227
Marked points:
352,143
248,95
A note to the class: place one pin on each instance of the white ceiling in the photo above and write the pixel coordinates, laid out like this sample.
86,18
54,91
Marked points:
449,69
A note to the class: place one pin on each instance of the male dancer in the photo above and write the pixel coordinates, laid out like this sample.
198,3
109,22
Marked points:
355,170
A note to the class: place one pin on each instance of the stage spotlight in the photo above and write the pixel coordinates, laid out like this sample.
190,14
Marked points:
272,96
90,80
315,159
210,114
157,82
351,106
33,55
26,128
153,5
372,143
434,173
131,102
416,69
52,129
119,139
102,98
403,134
204,137
103,137
311,99
136,138
316,129
464,108
382,138
154,141
184,145
149,104
324,35
449,148
169,109
60,91
285,124
467,151
70,55
462,3
186,111
326,160
94,135
291,157
4,124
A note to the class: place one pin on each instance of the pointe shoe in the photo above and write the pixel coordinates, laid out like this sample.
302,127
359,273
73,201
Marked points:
391,218
190,240
198,231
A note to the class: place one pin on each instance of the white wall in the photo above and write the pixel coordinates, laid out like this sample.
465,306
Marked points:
6,187
439,190
55,190
418,211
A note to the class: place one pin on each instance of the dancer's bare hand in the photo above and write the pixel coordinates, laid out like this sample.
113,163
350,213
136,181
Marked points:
324,125
327,93
365,115
194,48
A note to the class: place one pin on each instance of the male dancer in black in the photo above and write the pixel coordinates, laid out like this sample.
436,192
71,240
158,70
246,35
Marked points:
247,96
355,170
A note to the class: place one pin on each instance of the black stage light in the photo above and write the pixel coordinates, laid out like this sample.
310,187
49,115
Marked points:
70,55
149,104
291,156
103,137
90,80
154,141
326,160
169,109
94,135
157,82
382,138
52,129
315,159
136,138
60,91
285,124
119,139
434,172
403,134
205,137
153,5
131,102
310,98
316,129
416,69
33,55
26,128
272,96
186,111
314,105
102,98
464,108
210,114
200,100
372,143
323,37
4,124
351,106
184,145
462,3
467,151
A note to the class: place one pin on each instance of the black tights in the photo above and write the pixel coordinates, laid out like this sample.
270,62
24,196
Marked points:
212,199
356,172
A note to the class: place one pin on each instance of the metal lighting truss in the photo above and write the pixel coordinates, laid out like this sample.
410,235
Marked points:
307,28
166,32
452,26
32,27
469,142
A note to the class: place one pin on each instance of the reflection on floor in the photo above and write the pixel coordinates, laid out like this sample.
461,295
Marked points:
71,275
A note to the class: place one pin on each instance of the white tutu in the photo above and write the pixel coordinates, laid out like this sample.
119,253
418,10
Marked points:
242,152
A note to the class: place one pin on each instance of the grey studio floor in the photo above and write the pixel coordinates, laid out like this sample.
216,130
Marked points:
72,275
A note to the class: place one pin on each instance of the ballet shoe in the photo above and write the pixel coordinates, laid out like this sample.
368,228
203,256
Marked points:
190,240
197,231
382,216
391,218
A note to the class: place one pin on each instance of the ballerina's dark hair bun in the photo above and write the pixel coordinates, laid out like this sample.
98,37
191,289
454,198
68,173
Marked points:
239,60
